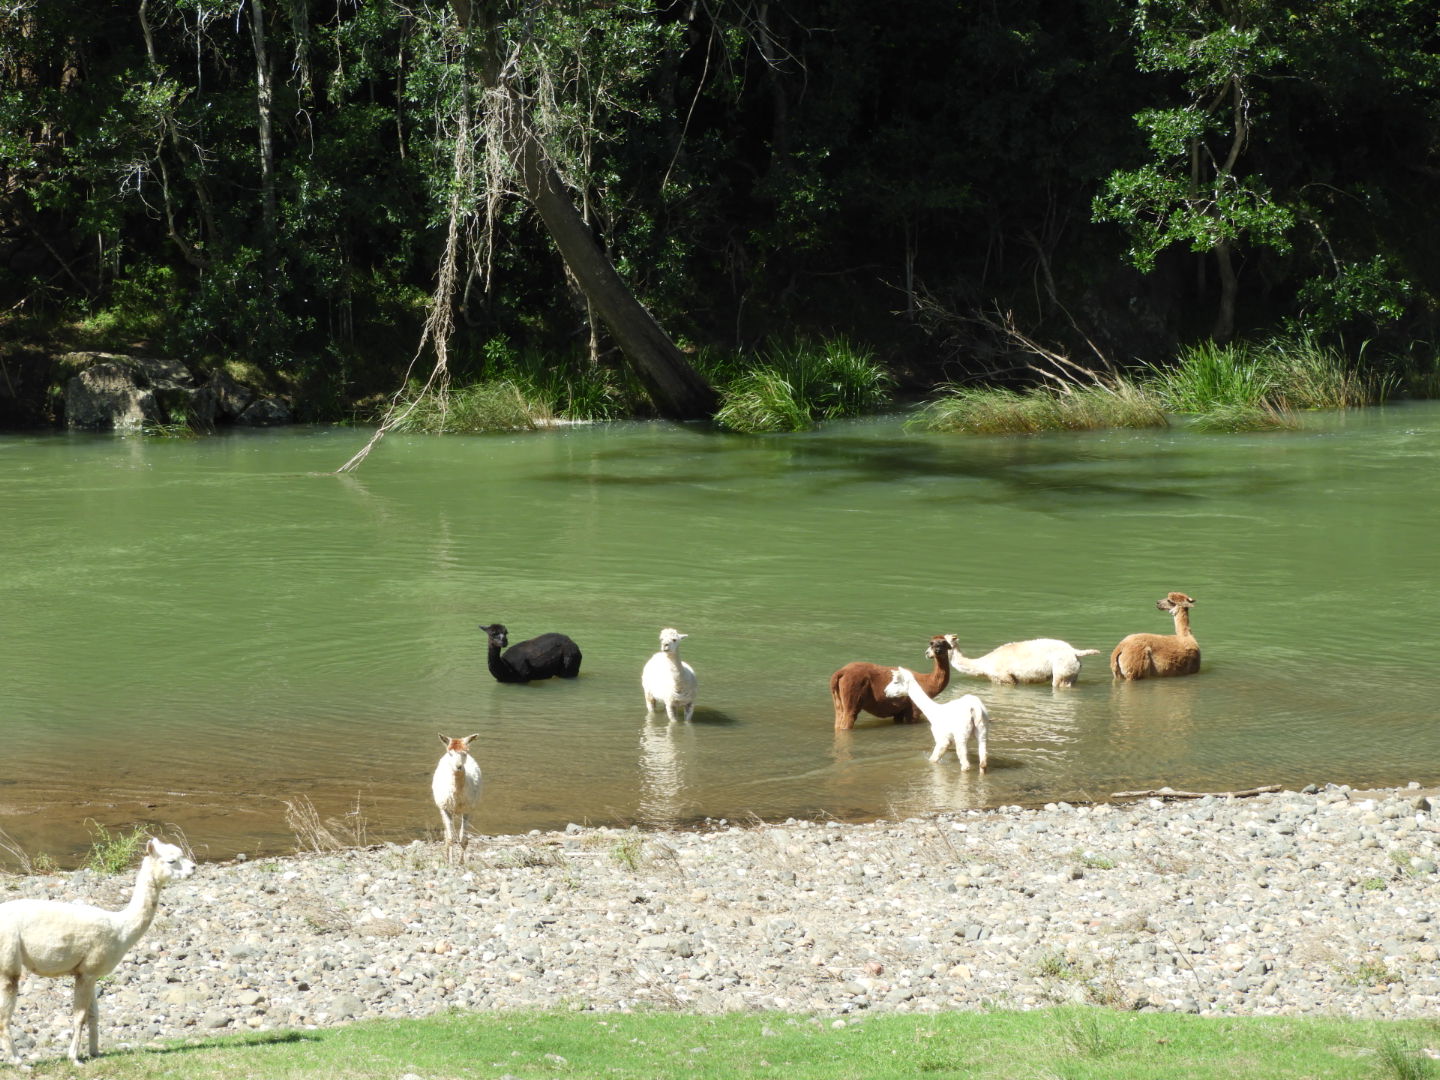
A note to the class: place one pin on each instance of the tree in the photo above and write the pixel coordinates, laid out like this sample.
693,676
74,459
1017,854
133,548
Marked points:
1196,190
515,85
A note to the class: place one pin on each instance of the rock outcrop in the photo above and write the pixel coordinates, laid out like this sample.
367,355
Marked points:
113,392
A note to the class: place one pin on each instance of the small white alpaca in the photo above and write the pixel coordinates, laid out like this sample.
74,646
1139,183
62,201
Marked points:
950,722
54,939
1038,660
456,787
667,680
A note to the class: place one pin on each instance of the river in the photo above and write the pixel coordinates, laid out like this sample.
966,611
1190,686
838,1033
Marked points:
199,631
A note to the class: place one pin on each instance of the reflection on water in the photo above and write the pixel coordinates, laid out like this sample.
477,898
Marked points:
223,624
662,772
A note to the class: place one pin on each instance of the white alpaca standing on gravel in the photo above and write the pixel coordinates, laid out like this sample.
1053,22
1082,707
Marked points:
456,787
54,939
952,721
667,680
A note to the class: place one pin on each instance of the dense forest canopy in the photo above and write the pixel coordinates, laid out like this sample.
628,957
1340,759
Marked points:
289,182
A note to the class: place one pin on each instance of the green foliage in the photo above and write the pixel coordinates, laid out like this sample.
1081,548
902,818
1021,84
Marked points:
1243,387
799,385
496,405
113,852
1208,375
999,411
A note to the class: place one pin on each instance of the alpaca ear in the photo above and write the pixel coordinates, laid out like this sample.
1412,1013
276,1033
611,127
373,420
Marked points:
445,739
152,847
466,740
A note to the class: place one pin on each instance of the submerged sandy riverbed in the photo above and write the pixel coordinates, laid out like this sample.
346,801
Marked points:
1288,903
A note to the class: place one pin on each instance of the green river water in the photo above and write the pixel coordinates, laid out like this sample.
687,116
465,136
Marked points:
196,631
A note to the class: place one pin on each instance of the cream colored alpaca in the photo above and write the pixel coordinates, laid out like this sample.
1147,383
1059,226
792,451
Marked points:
1038,660
456,787
53,939
950,722
1153,656
667,680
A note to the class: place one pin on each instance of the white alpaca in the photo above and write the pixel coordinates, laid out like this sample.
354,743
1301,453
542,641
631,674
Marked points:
54,939
950,722
456,787
667,680
1038,660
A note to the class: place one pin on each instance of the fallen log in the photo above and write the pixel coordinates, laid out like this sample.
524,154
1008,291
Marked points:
1171,793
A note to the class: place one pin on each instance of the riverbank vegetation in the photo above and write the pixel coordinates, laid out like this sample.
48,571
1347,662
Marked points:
1076,1042
1233,387
317,190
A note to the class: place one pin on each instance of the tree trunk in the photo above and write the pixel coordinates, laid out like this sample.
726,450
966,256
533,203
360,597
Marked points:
1224,328
264,103
677,389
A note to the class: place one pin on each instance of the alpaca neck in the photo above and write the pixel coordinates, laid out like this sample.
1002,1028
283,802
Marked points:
923,701
965,665
674,658
459,786
498,666
1182,623
938,676
135,919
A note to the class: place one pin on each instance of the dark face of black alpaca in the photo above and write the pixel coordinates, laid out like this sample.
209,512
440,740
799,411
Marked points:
498,635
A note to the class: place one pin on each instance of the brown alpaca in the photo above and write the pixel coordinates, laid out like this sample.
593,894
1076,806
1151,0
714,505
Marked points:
1154,656
860,686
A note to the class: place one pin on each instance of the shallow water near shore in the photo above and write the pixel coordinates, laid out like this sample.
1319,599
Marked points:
197,631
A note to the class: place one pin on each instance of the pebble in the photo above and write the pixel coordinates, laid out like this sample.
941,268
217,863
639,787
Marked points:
1285,904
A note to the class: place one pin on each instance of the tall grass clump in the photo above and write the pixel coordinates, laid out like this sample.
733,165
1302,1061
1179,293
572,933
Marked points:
494,405
999,411
798,385
1309,374
112,853
1207,376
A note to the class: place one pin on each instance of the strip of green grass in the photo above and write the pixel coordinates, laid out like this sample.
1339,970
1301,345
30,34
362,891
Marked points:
1052,1044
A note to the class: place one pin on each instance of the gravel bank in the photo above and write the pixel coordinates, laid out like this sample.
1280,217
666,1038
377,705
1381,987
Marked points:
1291,903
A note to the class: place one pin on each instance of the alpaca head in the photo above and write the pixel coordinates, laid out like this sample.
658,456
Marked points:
670,639
1175,601
498,635
900,683
167,861
940,646
953,640
457,750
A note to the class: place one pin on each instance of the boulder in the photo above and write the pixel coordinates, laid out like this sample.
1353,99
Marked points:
124,393
108,395
265,412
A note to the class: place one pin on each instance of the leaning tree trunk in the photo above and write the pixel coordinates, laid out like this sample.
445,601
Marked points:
678,391
676,388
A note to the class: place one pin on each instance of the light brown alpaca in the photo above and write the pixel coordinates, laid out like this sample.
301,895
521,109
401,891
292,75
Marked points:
860,687
1154,656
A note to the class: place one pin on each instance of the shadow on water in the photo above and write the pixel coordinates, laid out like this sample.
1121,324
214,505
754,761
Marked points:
1064,466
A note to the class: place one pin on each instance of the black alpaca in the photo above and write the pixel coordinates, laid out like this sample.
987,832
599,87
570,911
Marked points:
539,658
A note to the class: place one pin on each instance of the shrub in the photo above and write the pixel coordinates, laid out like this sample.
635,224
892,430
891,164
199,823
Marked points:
798,385
496,405
999,411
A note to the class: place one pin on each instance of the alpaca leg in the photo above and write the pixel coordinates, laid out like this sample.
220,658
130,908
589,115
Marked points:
649,704
81,1004
689,711
942,741
981,730
464,837
92,1023
445,820
670,711
9,988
